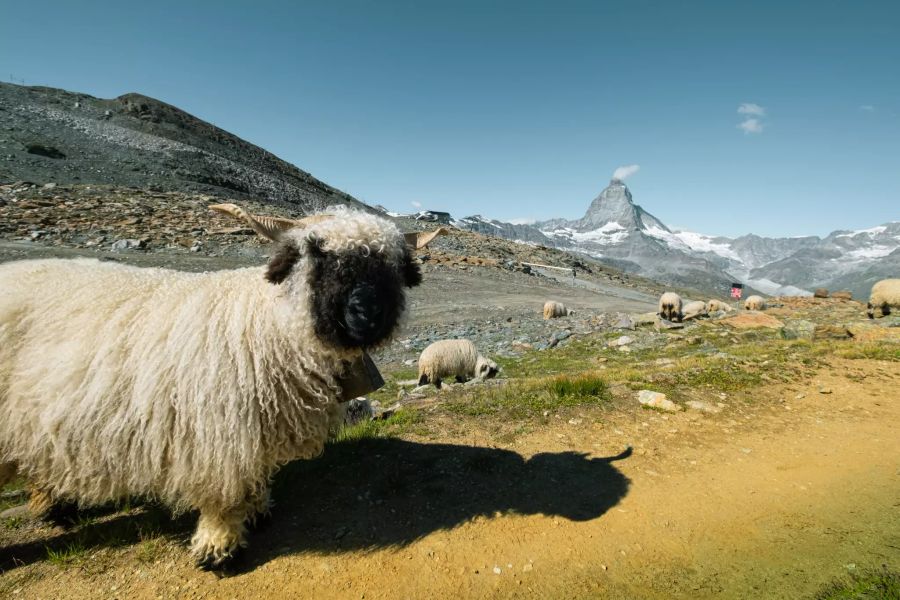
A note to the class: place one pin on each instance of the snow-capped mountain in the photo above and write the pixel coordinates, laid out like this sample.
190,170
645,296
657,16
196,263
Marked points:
620,232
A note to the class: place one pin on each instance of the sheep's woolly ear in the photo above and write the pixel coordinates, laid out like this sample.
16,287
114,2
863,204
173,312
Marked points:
281,264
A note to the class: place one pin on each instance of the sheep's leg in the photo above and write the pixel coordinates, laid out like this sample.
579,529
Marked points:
423,379
437,383
460,379
40,503
220,534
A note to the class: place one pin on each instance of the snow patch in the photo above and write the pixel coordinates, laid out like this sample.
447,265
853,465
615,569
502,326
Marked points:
870,252
872,231
688,240
611,233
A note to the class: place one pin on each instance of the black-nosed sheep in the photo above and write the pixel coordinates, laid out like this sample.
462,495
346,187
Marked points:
191,388
754,303
453,358
884,297
554,310
694,310
670,307
717,306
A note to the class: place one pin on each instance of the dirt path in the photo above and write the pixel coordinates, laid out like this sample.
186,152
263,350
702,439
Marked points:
769,499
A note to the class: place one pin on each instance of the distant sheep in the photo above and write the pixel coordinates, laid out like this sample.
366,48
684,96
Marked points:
453,358
884,297
553,310
717,305
670,307
755,303
694,310
191,388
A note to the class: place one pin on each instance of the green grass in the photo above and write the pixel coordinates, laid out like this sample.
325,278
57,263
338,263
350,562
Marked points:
401,422
586,386
151,548
66,556
871,350
871,584
531,397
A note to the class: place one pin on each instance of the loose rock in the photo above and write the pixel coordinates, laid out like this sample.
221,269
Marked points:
657,400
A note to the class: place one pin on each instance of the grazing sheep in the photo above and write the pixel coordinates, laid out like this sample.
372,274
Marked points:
754,303
820,293
191,388
885,296
694,310
842,295
453,358
670,307
717,305
554,309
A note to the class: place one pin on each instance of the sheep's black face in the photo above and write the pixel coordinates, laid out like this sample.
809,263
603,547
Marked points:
357,297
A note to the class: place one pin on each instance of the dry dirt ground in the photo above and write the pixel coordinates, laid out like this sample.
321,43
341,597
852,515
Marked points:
765,499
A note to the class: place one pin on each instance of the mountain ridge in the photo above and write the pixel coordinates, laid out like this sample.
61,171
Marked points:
54,135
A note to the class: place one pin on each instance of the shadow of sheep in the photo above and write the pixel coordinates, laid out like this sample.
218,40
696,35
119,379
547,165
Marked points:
384,492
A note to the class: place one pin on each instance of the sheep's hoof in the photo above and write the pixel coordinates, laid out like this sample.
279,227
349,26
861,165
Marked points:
222,565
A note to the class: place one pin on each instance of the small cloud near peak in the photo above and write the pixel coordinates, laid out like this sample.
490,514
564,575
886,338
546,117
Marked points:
623,172
416,204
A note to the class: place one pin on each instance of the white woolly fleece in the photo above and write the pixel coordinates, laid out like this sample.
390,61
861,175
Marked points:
450,358
886,291
188,387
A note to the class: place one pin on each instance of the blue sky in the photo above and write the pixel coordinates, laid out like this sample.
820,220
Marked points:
521,110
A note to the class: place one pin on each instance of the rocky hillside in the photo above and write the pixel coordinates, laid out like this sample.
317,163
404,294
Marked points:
51,135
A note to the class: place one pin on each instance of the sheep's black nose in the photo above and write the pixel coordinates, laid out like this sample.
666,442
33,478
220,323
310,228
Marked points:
366,315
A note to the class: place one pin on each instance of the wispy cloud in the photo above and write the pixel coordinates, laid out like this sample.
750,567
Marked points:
626,171
523,221
751,126
749,108
867,108
416,204
752,118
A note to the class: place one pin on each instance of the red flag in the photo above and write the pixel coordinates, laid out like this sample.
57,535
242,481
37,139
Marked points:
736,290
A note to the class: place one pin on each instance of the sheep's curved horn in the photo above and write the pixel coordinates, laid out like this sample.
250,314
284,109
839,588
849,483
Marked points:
420,239
273,228
269,227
